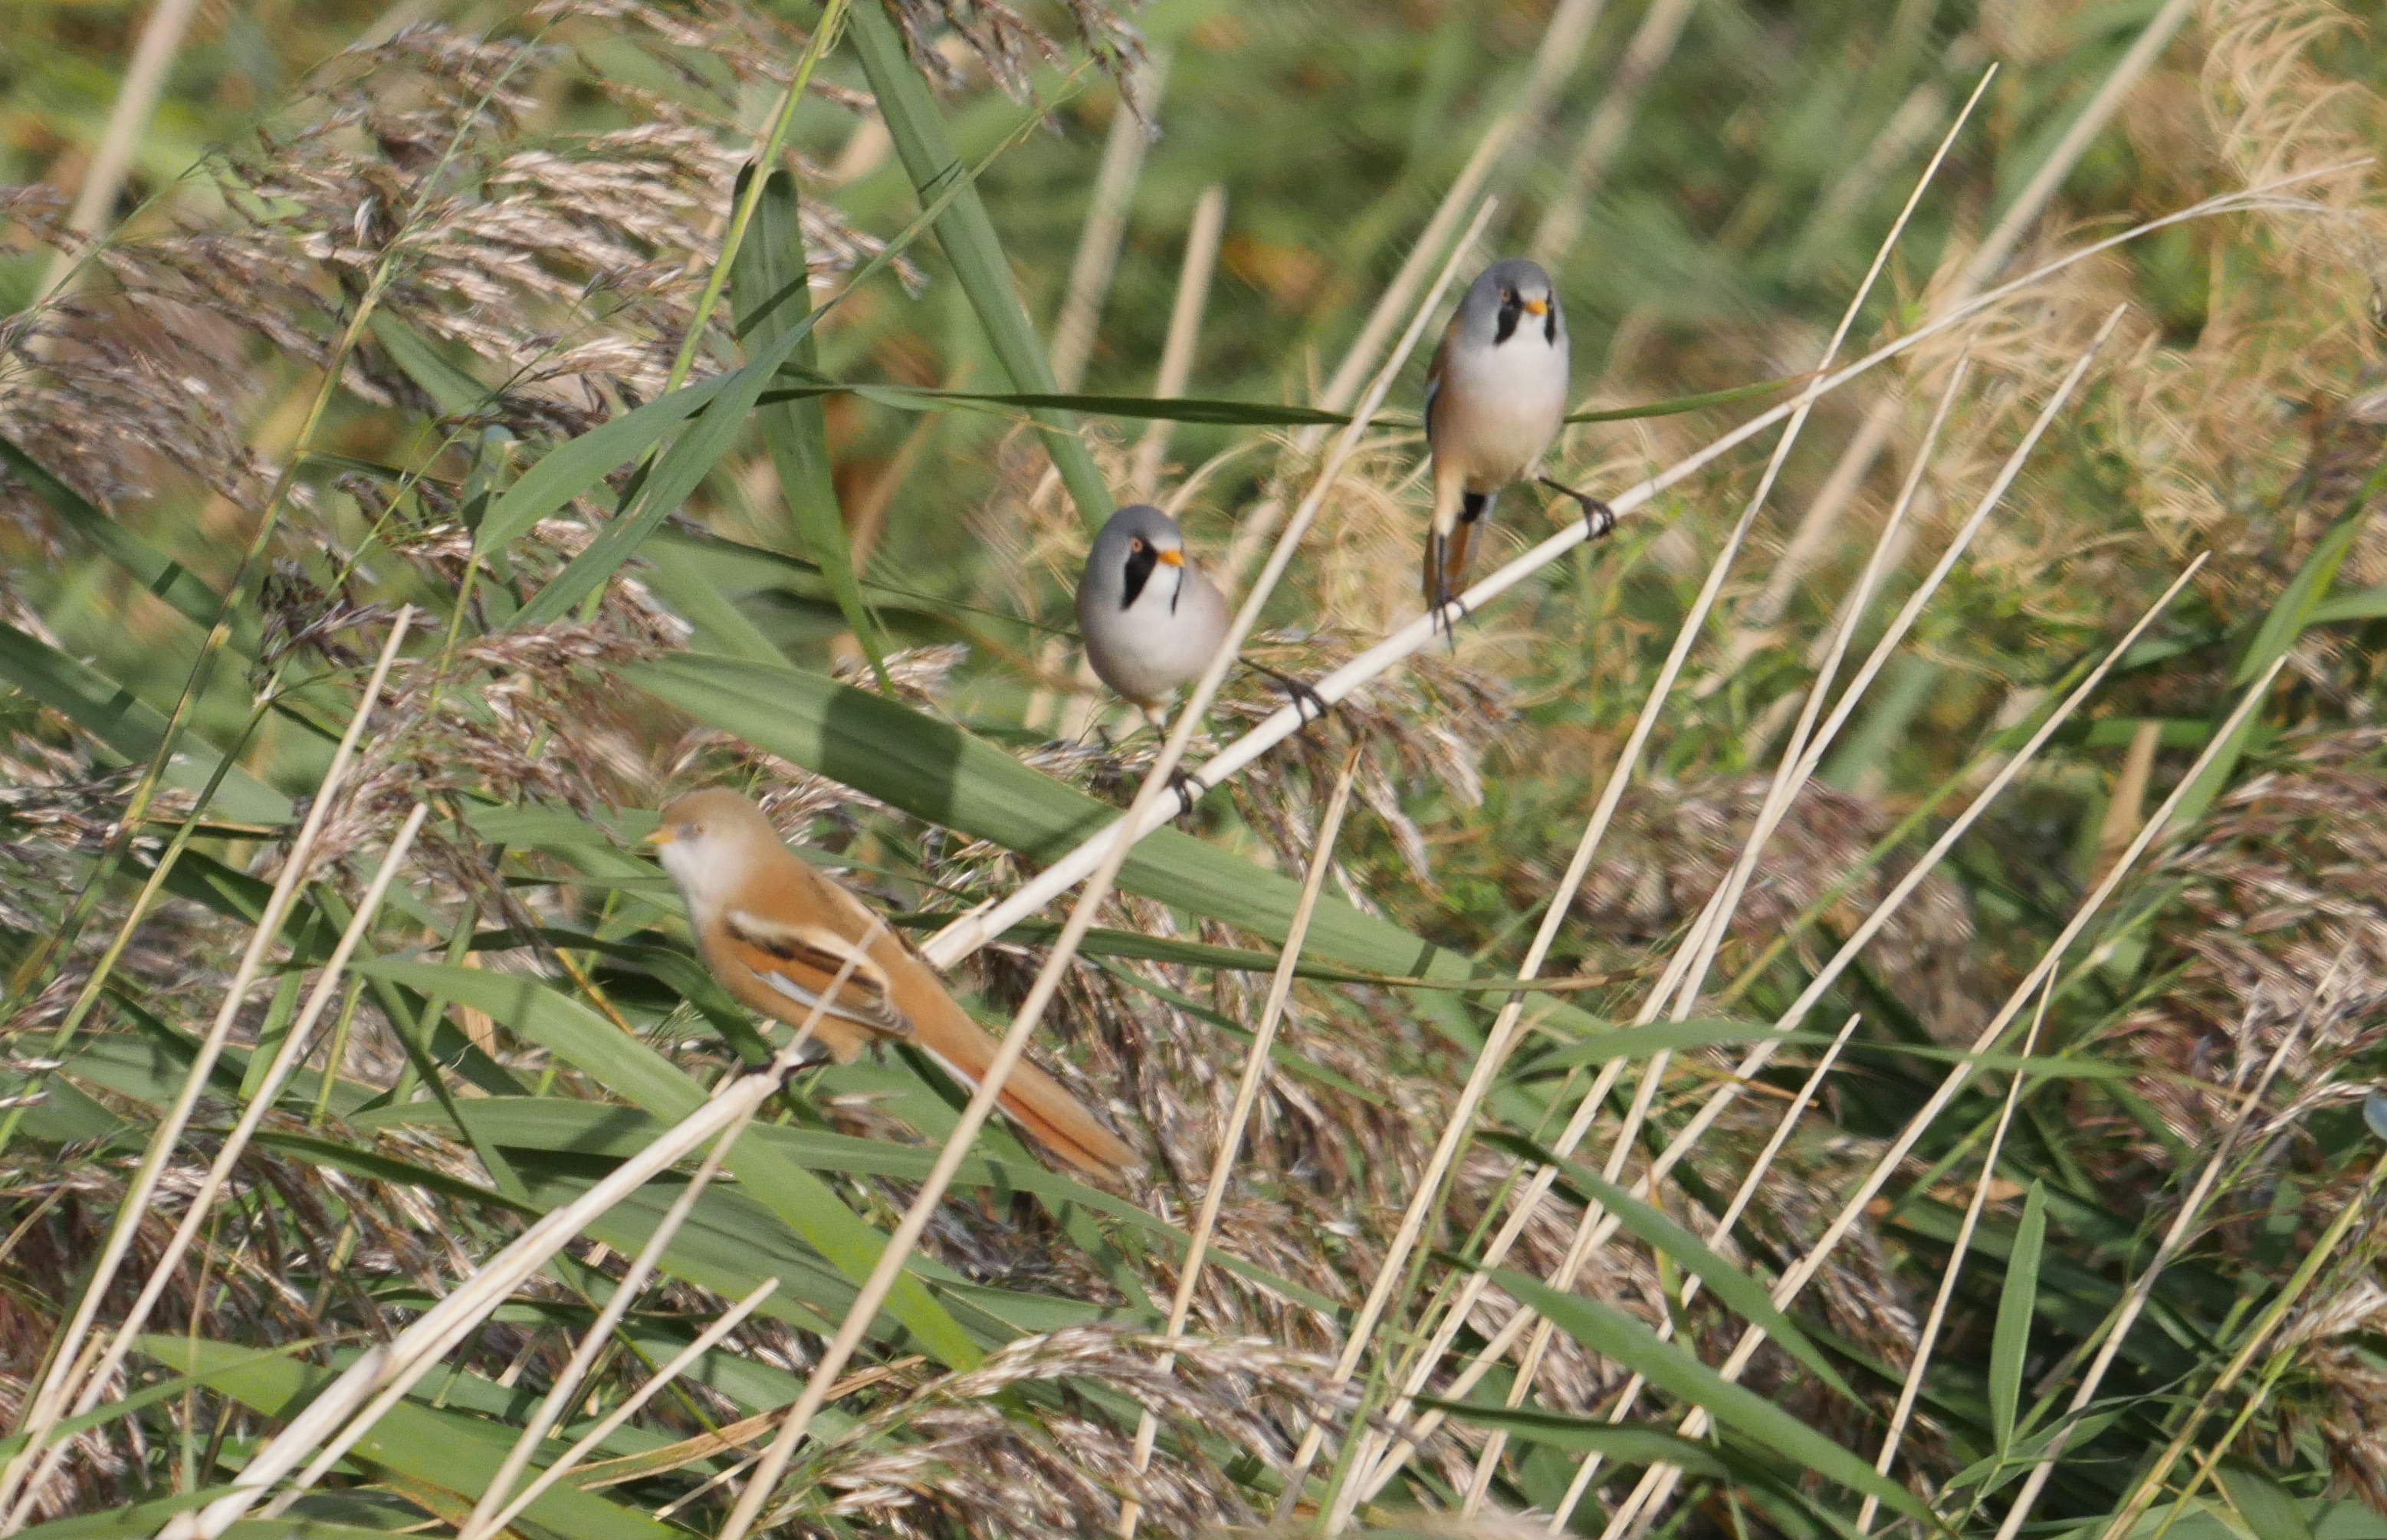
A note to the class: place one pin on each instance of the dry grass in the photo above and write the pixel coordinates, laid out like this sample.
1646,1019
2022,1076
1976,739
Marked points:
558,261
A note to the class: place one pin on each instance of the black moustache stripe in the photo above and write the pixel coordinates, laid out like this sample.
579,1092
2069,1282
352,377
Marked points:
1551,327
1509,315
1139,572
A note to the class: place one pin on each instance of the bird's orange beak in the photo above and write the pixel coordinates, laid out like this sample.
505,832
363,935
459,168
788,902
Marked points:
1169,558
1537,307
663,835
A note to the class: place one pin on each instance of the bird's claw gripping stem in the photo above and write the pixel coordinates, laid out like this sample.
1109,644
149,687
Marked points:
1305,698
1189,791
1599,519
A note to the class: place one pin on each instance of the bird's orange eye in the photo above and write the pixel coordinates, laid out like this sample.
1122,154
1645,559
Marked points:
1135,544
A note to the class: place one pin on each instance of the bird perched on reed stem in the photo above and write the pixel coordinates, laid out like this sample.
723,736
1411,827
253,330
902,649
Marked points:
1149,620
778,933
1496,397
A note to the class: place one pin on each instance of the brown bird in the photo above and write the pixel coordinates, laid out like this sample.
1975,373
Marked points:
775,933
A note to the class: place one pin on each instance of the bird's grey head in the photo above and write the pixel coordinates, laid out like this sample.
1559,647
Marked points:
1138,541
1514,298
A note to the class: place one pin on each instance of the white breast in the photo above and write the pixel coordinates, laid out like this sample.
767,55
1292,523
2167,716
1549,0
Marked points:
1498,409
1153,646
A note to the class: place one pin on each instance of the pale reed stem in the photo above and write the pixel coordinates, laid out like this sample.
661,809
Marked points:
973,929
1911,1391
1098,241
672,1370
294,1047
1661,1480
1184,330
1808,540
1119,840
344,1410
1596,828
1247,1090
59,1386
136,100
2192,1208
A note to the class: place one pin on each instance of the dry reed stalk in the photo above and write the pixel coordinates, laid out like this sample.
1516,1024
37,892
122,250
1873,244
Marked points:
376,284
2191,1208
287,1058
2129,799
346,1409
1919,1365
1184,329
1907,129
1096,261
1247,1089
1839,487
975,927
1555,58
484,1519
1761,733
1717,1235
404,1379
1590,1236
2151,1482
415,1351
1148,799
1660,1480
1563,39
1259,525
718,1480
1395,300
1653,41
1801,757
136,102
60,1386
1586,1108
672,1370
1595,830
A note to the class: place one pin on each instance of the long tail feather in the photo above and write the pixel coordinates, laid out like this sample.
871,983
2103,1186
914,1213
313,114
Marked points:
1454,556
1037,1102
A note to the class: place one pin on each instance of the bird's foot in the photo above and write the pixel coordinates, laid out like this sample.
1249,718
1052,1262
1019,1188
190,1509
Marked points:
1305,698
1599,519
1189,789
811,1054
1445,613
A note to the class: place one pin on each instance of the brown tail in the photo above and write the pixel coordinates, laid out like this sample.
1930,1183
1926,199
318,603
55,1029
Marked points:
1035,1101
1445,568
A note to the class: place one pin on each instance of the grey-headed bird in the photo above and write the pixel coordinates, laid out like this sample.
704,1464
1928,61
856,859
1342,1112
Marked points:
1151,622
1149,619
1494,399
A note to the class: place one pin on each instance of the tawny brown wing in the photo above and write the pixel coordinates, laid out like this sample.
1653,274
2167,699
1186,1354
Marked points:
801,961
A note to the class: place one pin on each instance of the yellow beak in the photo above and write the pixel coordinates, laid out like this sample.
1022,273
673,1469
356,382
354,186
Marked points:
662,835
1169,558
1537,307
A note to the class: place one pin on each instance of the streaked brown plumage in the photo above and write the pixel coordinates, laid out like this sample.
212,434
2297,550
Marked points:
775,933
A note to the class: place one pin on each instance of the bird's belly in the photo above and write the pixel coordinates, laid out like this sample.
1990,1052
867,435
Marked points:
1162,656
1504,433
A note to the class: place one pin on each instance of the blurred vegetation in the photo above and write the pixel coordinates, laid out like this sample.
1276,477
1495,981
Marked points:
497,223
